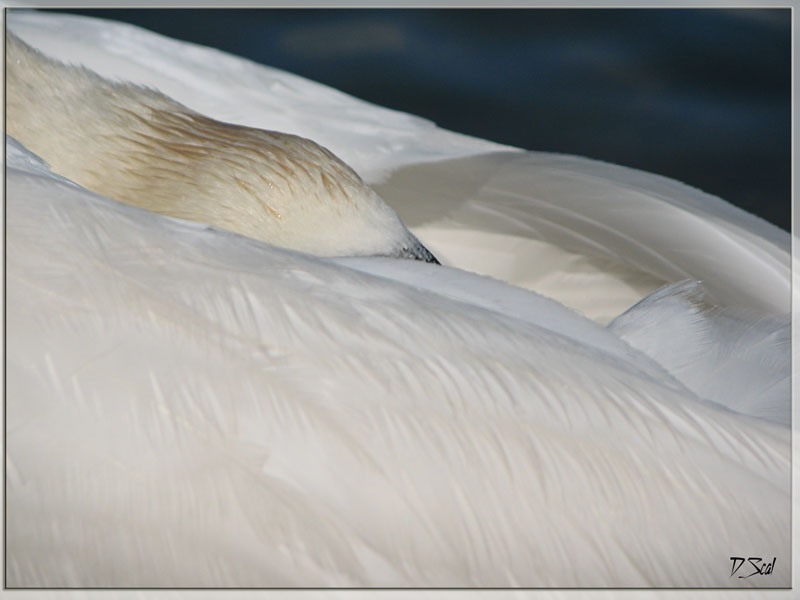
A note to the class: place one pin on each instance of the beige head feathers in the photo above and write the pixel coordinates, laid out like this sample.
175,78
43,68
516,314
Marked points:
138,146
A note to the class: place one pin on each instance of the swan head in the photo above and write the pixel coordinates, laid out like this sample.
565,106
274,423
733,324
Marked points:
280,188
141,147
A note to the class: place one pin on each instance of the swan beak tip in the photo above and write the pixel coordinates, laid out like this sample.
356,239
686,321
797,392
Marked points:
416,251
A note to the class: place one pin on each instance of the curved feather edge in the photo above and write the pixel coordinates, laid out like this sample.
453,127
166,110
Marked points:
735,358
186,407
579,230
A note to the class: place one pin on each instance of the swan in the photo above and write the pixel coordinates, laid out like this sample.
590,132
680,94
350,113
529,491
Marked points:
192,407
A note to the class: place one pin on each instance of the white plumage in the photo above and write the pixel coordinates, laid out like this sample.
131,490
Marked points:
143,148
188,407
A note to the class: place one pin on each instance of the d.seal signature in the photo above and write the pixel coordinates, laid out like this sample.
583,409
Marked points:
757,566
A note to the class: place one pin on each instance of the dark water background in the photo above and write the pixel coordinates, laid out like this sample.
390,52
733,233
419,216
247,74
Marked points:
700,95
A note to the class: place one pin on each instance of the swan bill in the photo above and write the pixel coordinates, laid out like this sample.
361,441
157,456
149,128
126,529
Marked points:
416,251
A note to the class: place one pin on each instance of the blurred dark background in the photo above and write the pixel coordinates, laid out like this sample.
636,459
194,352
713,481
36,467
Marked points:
700,95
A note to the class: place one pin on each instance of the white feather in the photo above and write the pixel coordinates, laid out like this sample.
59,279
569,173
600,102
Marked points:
595,236
187,407
217,412
735,358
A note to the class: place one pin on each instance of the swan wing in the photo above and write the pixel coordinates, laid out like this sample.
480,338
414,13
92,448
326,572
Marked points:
186,407
735,358
595,236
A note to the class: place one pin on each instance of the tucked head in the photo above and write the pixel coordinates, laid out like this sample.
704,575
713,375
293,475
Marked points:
277,187
138,146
